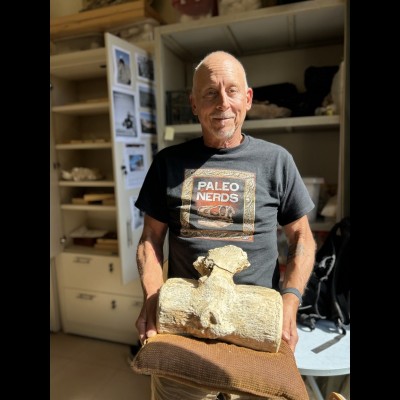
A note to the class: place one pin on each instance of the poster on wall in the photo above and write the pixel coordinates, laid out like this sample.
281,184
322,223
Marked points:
125,117
137,215
147,98
122,68
147,123
135,156
144,68
147,107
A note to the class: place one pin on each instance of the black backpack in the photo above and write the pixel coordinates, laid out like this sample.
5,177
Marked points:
327,295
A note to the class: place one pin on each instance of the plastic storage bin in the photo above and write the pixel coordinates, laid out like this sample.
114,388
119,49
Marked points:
313,185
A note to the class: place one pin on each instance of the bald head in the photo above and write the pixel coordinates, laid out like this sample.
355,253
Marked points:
220,98
219,61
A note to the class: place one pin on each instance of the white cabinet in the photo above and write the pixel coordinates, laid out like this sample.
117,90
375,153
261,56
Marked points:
94,302
99,288
99,273
276,45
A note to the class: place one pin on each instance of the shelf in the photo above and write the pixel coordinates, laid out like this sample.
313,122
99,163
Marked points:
296,123
86,250
269,29
79,207
89,108
86,64
84,146
79,65
101,19
279,124
81,99
86,183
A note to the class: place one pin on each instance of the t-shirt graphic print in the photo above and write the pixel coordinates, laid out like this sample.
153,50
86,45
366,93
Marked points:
218,204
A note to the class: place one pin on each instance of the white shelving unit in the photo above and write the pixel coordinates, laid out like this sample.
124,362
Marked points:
296,124
275,45
99,289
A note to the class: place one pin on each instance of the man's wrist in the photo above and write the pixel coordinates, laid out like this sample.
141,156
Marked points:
294,291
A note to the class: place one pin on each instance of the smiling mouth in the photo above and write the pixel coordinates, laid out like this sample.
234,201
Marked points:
222,118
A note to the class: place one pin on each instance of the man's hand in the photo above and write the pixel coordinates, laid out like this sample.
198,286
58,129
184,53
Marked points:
289,327
146,322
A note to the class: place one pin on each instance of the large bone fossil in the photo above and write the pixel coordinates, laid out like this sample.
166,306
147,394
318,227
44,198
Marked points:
214,307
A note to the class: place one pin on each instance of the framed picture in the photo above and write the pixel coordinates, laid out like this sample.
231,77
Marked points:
144,67
122,68
147,98
147,123
125,117
136,161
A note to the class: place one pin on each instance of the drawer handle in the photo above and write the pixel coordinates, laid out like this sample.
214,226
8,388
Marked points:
82,260
113,304
85,296
111,267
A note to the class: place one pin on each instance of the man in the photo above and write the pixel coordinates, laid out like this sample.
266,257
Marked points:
223,188
124,72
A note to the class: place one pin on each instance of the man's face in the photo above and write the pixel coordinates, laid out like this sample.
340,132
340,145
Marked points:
220,98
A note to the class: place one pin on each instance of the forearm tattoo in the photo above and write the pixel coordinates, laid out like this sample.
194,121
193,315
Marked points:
140,268
138,261
295,250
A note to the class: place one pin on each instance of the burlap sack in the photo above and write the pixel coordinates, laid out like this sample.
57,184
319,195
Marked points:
222,366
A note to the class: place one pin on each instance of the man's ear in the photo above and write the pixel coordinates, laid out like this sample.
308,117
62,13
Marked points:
249,97
192,103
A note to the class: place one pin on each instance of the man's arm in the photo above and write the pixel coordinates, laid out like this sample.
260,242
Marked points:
299,265
149,259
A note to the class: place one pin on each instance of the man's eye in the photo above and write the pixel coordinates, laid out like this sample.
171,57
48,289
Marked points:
210,93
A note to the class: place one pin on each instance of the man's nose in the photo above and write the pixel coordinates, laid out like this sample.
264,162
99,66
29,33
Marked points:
222,100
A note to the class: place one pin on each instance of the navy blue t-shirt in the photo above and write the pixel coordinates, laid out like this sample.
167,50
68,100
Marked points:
214,197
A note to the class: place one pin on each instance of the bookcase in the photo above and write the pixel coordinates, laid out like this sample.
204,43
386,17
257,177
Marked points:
101,122
276,45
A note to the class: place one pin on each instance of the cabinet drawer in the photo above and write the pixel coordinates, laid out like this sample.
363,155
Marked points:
102,273
101,315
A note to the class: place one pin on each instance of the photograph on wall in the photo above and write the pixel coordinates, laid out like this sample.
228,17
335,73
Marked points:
147,123
147,98
125,117
144,67
135,156
137,215
122,67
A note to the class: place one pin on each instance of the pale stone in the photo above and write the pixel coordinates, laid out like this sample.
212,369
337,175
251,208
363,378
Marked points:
214,307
